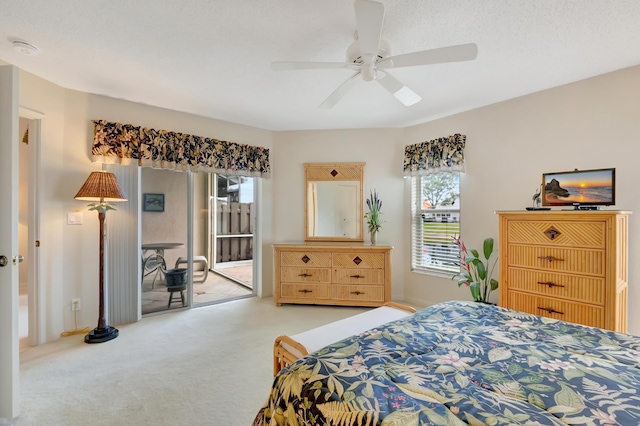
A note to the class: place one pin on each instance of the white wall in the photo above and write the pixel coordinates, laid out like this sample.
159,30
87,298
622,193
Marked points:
70,253
589,124
380,149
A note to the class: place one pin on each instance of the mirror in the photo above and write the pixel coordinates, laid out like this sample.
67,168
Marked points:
333,201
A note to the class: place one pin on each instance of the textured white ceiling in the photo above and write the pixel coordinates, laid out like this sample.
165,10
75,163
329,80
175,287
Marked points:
212,57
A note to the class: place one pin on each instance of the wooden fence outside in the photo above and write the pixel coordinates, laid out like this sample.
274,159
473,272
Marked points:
234,236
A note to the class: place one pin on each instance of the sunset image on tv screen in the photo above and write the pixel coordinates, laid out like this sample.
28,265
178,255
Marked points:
588,187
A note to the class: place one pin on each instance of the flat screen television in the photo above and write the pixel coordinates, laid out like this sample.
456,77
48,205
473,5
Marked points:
582,189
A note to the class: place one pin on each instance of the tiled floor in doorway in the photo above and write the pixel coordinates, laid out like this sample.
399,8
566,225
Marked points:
216,287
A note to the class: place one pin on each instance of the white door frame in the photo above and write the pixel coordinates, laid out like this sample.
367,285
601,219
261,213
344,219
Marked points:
9,339
35,295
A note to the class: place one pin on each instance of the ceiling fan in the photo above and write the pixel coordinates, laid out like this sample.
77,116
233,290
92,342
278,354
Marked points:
369,57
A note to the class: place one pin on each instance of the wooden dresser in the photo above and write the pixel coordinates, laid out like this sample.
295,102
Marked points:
568,265
332,274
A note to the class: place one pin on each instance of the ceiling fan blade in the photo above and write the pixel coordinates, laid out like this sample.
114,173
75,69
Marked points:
286,66
461,52
401,92
340,91
369,19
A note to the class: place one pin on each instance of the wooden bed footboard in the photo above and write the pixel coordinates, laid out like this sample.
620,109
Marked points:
287,349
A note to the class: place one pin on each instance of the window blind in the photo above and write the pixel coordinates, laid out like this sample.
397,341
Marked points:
432,231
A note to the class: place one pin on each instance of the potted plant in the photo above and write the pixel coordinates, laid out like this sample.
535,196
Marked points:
374,221
476,273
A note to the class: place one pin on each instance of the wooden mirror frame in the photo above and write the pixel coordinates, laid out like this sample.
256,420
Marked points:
334,172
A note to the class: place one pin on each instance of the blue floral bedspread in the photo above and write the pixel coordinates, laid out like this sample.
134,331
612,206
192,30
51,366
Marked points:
460,363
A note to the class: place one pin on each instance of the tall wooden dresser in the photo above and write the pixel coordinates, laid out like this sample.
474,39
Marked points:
332,274
568,265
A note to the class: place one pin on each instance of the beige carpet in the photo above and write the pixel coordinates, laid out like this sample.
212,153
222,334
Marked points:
206,366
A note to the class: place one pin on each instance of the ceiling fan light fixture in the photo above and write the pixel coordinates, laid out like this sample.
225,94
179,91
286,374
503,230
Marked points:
369,56
407,96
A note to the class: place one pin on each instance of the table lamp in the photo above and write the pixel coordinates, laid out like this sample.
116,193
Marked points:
103,188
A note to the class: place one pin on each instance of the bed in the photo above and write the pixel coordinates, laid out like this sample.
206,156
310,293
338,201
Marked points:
460,363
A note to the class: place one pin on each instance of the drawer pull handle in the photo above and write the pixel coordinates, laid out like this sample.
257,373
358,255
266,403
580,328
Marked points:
305,275
357,276
304,290
551,311
357,293
550,284
550,258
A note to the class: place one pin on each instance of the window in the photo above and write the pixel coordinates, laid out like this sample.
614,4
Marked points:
435,201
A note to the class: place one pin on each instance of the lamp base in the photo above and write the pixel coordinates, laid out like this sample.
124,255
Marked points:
99,335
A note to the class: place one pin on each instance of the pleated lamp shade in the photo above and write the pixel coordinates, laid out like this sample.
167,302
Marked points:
101,186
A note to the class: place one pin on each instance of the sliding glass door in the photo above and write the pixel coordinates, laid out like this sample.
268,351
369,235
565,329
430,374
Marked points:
221,216
231,222
164,222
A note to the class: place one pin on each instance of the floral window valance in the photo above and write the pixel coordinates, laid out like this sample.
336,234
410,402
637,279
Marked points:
127,144
438,155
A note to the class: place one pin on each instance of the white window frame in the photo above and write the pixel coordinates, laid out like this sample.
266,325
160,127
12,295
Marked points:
446,261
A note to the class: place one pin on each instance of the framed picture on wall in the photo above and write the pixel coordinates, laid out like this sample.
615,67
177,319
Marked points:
153,203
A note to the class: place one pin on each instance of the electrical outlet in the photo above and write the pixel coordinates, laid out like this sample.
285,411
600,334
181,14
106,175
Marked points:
75,304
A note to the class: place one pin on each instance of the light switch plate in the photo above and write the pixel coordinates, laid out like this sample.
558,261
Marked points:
74,218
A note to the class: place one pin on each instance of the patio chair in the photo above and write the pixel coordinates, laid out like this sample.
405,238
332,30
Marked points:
198,276
153,264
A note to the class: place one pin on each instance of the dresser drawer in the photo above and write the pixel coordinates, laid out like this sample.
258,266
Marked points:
305,275
593,270
306,259
360,260
580,261
358,276
555,308
575,287
587,234
369,293
332,274
305,291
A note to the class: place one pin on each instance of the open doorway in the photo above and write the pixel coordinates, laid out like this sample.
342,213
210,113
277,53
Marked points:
28,142
233,215
229,211
24,169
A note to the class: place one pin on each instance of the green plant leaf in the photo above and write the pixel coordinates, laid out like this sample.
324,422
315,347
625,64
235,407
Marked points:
487,247
494,284
482,271
475,290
